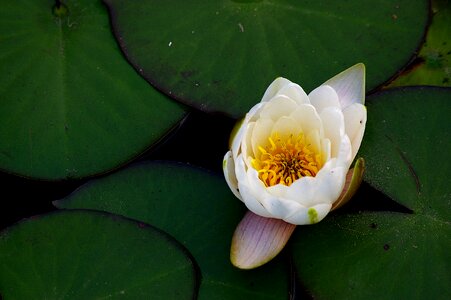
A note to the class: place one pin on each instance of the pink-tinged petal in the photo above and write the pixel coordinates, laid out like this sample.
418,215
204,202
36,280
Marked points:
228,167
355,122
353,180
295,92
324,96
257,240
278,84
349,85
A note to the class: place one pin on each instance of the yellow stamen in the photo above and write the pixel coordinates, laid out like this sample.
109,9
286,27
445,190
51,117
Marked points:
285,161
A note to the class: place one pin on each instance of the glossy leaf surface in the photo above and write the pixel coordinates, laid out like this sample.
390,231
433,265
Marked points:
71,105
222,55
92,255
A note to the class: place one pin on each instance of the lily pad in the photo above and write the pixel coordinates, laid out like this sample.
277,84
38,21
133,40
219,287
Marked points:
92,255
389,255
198,209
221,55
433,64
71,105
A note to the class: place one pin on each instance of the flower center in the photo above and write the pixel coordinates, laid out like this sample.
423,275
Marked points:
283,161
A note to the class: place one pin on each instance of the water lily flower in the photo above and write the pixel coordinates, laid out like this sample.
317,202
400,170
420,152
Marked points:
290,160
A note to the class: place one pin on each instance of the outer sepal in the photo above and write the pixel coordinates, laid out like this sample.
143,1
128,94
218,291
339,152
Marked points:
353,180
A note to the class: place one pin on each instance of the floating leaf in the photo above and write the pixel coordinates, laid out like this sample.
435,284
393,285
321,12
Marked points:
433,64
71,105
92,255
198,209
222,55
387,254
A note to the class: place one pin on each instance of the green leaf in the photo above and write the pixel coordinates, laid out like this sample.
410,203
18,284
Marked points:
92,255
199,210
387,255
433,64
406,147
375,256
71,105
222,55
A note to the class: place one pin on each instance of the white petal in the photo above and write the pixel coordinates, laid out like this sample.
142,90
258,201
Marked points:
355,121
260,134
330,182
356,142
310,215
240,169
286,126
308,119
324,96
349,85
278,190
228,167
246,144
326,149
276,206
344,157
237,139
304,191
254,113
324,188
295,92
314,141
278,106
247,192
274,88
252,202
334,127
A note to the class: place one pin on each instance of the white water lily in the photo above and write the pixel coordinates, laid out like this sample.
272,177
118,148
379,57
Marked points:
290,157
289,161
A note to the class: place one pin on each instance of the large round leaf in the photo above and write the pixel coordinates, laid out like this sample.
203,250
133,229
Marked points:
198,209
221,55
92,255
433,64
388,255
71,105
